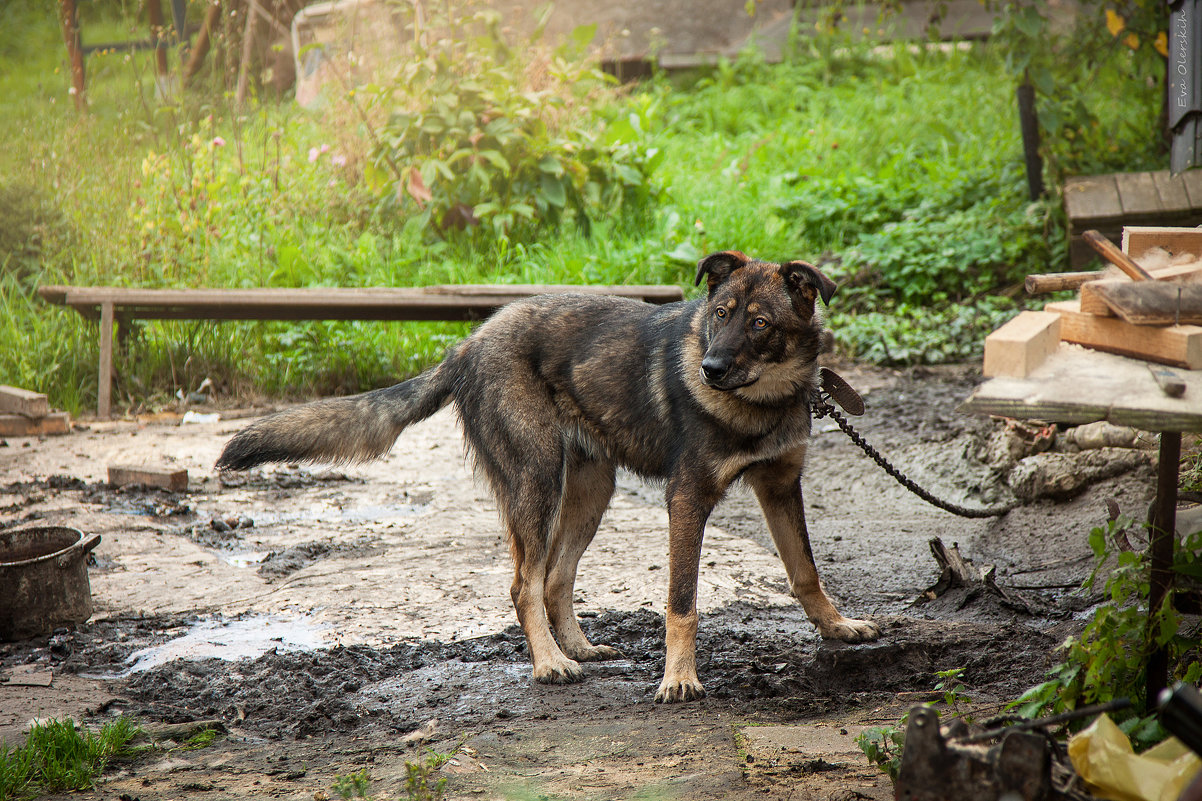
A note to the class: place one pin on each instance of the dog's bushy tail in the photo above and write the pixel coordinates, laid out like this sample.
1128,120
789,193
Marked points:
340,430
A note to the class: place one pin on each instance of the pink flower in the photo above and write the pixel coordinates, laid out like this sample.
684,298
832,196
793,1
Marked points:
313,154
338,160
218,141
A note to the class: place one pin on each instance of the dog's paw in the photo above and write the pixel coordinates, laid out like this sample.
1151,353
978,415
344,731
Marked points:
849,630
596,653
559,671
672,691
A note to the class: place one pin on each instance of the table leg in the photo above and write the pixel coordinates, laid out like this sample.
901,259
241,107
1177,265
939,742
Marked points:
104,398
1160,548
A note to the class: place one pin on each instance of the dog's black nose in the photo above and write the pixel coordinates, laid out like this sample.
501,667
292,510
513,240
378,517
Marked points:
714,368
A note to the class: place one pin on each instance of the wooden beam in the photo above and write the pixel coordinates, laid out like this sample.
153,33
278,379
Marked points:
1022,344
18,425
1176,345
14,400
1139,239
468,302
104,398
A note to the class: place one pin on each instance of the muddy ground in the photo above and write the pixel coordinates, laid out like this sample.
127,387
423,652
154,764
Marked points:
331,613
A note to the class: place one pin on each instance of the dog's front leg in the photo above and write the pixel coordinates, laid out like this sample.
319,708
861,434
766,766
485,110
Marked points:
687,512
778,488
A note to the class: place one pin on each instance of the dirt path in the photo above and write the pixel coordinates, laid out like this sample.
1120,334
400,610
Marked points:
366,602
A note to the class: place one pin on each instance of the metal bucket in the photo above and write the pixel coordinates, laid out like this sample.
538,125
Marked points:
43,580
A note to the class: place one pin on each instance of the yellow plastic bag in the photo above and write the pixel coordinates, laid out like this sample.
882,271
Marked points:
1103,756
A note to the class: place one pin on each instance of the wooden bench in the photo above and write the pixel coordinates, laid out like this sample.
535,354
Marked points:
1107,203
469,302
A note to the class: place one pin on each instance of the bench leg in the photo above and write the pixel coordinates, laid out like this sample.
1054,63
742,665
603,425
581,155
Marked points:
105,378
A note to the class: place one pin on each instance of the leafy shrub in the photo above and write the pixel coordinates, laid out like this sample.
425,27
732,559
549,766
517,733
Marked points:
906,335
1109,658
508,139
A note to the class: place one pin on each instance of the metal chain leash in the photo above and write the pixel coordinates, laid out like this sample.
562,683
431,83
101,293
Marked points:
821,407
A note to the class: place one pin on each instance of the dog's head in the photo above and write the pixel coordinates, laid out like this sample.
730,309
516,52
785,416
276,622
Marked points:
761,334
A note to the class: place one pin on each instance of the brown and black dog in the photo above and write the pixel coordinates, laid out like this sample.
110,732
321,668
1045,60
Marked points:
555,392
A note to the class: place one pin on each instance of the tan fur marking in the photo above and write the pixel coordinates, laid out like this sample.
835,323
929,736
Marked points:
680,681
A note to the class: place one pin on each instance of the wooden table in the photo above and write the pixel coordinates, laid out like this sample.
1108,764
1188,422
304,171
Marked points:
118,305
1076,385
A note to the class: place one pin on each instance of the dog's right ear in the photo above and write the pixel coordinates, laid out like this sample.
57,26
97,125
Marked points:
717,267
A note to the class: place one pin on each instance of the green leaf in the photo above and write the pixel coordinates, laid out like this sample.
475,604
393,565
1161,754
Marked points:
550,165
552,190
497,160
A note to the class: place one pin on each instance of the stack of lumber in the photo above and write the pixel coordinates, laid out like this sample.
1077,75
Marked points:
1148,306
28,414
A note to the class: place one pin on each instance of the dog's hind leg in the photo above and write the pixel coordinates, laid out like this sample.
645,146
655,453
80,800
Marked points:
530,496
588,486
778,488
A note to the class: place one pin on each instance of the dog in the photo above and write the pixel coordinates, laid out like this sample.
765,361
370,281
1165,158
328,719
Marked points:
554,392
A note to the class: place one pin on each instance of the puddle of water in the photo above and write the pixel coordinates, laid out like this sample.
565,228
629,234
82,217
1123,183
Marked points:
231,640
244,559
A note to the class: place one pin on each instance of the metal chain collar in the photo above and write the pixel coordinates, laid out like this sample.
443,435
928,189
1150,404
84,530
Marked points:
821,407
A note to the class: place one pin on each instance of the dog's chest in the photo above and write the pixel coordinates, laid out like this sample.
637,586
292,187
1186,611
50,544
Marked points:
787,440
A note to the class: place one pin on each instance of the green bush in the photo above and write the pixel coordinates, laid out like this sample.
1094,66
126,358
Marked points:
504,138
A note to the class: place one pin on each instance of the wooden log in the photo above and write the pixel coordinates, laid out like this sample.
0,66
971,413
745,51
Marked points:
1022,344
18,425
167,478
1174,345
1118,258
1043,283
1146,302
14,400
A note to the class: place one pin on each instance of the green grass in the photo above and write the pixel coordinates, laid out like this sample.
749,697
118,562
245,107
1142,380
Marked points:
901,169
57,757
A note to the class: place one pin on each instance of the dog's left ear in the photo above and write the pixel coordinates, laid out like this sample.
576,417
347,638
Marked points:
717,267
804,277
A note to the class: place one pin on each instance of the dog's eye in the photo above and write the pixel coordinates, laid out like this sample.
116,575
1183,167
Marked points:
720,313
759,324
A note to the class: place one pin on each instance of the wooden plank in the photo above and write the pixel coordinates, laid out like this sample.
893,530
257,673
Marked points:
1193,187
1021,345
14,400
1139,239
467,302
1077,385
1138,195
1149,302
18,425
1171,190
167,478
1177,345
1092,197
